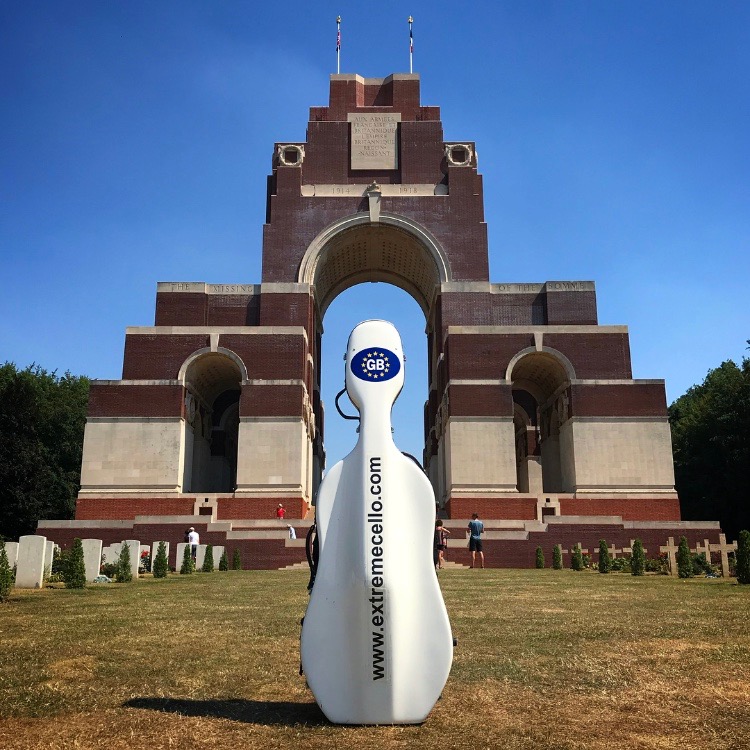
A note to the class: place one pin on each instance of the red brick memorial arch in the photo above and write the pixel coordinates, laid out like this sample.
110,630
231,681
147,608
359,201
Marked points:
533,418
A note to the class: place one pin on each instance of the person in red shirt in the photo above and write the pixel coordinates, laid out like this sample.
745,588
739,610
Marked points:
280,512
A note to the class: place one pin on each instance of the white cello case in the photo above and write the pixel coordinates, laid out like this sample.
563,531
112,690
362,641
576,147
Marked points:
376,642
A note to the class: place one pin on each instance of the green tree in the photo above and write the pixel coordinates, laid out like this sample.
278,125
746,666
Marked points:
42,417
124,572
75,575
208,560
539,557
684,560
576,562
160,567
557,561
188,566
236,560
743,557
224,561
711,439
6,574
638,559
605,561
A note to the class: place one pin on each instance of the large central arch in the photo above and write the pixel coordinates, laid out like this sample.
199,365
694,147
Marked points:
394,249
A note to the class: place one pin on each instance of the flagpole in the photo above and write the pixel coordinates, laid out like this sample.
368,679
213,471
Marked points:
338,44
411,46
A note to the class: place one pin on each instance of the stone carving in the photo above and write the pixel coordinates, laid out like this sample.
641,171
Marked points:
290,154
453,150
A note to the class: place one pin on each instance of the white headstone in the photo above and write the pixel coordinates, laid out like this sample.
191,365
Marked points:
92,557
200,556
49,556
218,552
30,564
11,550
135,549
155,552
111,553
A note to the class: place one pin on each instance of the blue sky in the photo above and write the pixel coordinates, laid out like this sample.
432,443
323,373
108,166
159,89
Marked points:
613,140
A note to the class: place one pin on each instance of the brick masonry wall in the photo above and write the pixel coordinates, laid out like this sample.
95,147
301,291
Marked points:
270,356
272,401
631,400
127,508
107,400
518,509
480,400
180,309
158,357
594,355
629,509
240,508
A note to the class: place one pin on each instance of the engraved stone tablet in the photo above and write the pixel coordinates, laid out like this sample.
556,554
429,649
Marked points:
374,140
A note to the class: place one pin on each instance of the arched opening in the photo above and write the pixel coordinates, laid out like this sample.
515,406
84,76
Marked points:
402,254
540,402
212,383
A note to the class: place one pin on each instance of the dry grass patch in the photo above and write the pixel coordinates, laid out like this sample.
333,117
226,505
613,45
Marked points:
545,659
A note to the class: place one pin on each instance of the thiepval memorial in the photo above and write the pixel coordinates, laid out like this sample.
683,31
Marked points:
532,417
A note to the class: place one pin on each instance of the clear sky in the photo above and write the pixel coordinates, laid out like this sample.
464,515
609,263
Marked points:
613,137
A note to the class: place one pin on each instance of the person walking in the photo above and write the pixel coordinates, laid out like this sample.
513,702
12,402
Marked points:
280,512
476,529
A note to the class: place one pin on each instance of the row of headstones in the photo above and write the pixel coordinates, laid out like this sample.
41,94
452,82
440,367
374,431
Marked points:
723,548
32,556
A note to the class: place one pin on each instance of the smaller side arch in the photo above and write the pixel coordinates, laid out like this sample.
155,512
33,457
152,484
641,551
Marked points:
196,355
558,355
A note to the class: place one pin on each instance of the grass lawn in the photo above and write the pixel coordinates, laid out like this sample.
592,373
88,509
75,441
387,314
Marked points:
545,659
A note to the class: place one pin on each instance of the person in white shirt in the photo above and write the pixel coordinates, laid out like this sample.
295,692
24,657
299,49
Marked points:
193,540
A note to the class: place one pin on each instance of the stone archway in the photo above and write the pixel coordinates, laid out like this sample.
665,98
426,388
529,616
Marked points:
354,249
394,250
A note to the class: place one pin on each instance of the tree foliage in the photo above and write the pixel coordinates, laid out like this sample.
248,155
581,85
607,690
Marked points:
743,557
224,561
711,438
684,560
557,561
576,561
605,560
75,575
236,560
188,566
124,570
160,568
638,559
6,574
539,557
42,417
208,560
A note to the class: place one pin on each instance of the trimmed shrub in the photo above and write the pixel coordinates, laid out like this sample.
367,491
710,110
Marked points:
539,557
743,557
576,562
605,561
208,560
638,560
6,574
620,564
75,575
557,557
161,564
188,566
684,560
124,574
224,561
236,560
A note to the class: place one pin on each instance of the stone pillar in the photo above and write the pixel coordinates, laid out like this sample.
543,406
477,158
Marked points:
92,557
30,564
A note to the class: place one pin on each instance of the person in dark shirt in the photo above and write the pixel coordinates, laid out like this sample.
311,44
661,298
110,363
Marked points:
476,529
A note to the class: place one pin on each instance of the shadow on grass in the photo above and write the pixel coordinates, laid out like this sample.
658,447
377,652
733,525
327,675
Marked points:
268,713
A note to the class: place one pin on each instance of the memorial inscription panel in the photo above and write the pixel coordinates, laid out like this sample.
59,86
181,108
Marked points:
374,140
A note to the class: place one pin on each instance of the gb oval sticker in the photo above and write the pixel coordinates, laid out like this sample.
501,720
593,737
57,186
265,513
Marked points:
375,364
